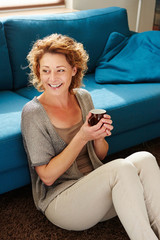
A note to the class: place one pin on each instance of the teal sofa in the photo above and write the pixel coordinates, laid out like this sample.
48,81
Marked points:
133,104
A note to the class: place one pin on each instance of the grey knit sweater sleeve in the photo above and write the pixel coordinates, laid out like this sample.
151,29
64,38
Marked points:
36,137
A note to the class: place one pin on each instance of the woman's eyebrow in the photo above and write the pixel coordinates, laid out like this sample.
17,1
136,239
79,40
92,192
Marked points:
60,66
56,66
45,66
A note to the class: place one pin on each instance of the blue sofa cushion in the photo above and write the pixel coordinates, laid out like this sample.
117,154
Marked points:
5,69
130,60
130,105
84,26
11,146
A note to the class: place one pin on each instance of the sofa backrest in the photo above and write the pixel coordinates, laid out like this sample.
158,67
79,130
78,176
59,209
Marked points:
91,27
6,82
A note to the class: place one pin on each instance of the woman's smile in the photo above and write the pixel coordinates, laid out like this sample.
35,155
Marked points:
54,86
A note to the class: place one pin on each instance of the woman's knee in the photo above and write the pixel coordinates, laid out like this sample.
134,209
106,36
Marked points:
124,169
144,155
142,160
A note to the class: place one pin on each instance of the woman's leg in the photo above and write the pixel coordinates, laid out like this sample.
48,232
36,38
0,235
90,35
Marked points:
84,204
87,202
149,174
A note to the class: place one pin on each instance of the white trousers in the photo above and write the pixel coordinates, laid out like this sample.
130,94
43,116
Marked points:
126,187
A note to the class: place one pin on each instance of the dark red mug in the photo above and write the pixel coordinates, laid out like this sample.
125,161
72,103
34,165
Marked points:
96,116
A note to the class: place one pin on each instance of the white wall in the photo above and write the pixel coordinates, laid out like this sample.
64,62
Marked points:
147,15
140,12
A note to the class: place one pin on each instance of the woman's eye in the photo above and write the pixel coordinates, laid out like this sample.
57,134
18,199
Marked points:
45,71
61,70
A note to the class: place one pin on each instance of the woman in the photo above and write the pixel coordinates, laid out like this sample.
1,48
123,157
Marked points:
71,185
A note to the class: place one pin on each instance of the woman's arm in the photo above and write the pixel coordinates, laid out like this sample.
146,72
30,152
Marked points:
101,148
60,163
100,145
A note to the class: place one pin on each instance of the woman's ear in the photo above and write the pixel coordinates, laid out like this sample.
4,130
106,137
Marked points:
74,71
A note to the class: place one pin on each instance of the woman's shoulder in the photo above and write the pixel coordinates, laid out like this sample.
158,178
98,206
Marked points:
82,92
31,108
84,98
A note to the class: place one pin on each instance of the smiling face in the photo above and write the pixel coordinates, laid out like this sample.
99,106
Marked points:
56,73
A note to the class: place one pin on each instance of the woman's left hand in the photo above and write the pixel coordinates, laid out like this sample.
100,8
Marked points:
103,127
99,131
107,124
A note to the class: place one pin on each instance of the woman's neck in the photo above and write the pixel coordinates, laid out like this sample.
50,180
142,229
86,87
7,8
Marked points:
57,101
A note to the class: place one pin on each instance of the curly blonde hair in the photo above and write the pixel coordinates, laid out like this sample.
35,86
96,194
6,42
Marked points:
57,43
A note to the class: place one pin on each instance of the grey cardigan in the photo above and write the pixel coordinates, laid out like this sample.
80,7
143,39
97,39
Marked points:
42,143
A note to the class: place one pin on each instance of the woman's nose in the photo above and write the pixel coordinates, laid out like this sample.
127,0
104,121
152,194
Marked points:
53,75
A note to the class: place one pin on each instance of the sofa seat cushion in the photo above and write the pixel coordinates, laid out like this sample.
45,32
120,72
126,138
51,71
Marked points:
130,105
11,146
91,27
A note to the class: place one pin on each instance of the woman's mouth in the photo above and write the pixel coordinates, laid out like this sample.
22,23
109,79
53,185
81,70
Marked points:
55,85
